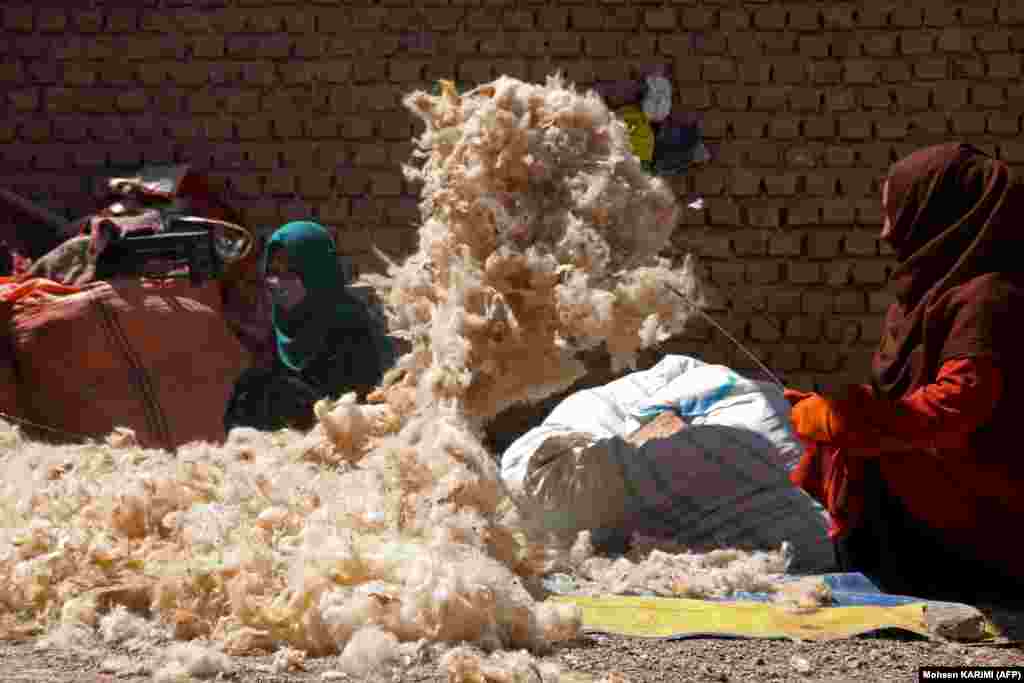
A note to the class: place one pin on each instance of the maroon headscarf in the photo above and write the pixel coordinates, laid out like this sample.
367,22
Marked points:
954,214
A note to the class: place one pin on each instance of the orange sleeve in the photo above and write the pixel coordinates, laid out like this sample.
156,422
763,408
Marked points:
939,415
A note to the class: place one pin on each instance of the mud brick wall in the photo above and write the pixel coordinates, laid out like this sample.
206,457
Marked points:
295,109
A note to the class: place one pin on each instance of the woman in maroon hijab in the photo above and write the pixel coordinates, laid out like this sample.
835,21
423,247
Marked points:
923,470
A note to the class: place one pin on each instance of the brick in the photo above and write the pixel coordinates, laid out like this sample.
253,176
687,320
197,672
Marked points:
906,16
860,244
803,273
1011,12
586,18
745,44
18,19
819,127
39,72
568,44
932,123
842,331
892,127
857,183
801,157
788,70
823,245
786,244
879,302
402,70
386,184
764,216
939,15
749,125
803,328
781,184
976,14
826,72
844,45
914,99
855,127
764,272
950,94
916,43
661,19
850,302
873,16
697,18
769,99
520,19
880,45
750,243
1004,123
877,98
838,16
860,71
871,272
805,18
765,329
755,72
771,18
727,272
896,72
839,274
822,360
815,46
732,98
1004,66
51,20
969,123
553,18
842,99
24,100
733,19
955,40
36,131
933,68
763,153
723,212
780,43
820,184
501,44
987,95
970,68
132,101
332,154
640,44
993,41
717,69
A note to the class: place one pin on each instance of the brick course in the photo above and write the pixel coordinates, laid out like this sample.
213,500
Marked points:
805,104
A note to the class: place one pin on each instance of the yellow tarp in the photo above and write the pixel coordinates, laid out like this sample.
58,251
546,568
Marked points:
681,618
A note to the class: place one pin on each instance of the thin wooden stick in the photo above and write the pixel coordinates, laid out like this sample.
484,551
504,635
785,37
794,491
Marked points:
728,336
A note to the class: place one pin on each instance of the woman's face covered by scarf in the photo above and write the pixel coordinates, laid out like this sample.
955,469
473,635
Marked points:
949,213
952,213
302,273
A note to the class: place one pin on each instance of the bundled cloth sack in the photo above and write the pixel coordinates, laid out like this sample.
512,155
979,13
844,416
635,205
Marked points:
722,481
154,356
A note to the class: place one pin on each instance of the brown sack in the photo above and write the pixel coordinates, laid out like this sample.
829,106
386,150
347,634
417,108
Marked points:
156,357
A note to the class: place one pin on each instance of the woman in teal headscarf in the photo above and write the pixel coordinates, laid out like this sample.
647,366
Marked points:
327,342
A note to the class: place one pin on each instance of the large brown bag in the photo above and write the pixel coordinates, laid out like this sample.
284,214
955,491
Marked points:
155,356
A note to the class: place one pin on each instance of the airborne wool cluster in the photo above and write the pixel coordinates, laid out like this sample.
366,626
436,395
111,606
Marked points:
387,527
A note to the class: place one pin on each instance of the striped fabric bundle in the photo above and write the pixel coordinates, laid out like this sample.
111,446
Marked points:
720,482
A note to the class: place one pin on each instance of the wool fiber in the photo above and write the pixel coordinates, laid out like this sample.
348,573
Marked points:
386,525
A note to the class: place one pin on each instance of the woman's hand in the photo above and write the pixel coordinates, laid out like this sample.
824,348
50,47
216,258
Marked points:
815,418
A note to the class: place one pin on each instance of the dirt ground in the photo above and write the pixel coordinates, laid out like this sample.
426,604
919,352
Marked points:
880,659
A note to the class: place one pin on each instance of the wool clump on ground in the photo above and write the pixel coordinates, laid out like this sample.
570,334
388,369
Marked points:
388,523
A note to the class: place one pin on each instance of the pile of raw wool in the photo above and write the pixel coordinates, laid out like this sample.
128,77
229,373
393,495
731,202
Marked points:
385,531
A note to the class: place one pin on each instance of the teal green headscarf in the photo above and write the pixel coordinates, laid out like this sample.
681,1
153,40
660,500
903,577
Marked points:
302,332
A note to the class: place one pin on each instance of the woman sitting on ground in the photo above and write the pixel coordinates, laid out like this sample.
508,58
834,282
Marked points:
921,471
327,342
